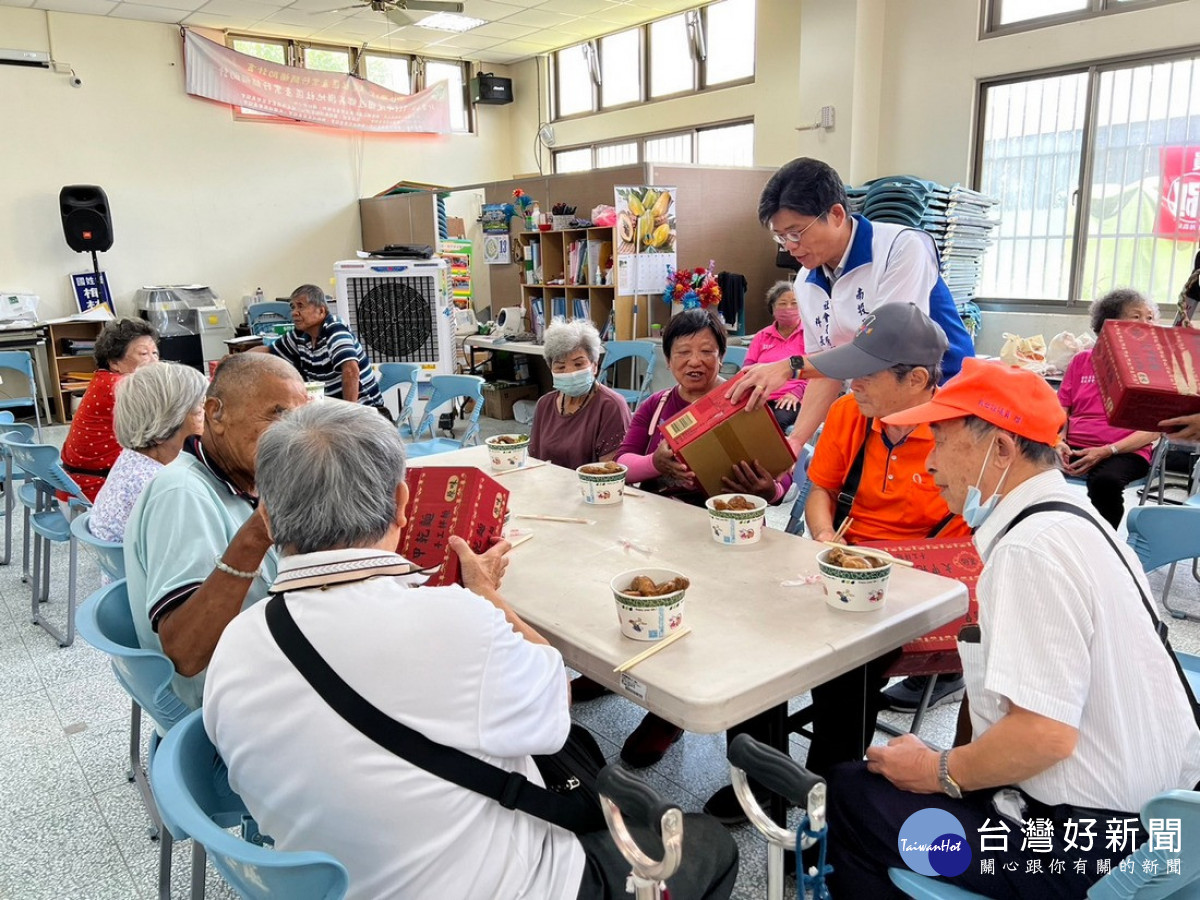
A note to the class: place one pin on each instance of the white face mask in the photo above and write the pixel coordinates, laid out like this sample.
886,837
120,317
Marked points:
574,384
974,512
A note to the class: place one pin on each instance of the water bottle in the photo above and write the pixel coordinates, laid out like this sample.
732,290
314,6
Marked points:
258,295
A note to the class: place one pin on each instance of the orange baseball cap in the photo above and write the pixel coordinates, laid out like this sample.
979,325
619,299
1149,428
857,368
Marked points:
1008,397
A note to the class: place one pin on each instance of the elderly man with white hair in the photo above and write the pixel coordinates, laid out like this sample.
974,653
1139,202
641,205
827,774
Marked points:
455,664
323,349
581,421
157,408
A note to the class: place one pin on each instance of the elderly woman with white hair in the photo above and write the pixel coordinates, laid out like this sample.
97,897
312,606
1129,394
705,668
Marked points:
157,408
581,421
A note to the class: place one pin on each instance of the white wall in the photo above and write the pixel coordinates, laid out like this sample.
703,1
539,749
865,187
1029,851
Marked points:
195,195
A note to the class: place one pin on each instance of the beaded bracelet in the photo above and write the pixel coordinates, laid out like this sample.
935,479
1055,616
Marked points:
236,573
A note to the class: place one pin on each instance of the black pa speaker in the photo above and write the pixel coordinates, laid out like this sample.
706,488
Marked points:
488,88
85,219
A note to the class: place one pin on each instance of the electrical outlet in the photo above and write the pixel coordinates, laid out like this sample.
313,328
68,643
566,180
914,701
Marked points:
826,116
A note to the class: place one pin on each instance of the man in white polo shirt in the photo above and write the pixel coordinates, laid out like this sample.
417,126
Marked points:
1077,711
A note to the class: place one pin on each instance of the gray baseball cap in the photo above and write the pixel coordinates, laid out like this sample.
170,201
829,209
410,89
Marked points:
892,334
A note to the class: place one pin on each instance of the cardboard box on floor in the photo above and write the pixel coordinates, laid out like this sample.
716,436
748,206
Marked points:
712,434
1147,373
499,397
444,501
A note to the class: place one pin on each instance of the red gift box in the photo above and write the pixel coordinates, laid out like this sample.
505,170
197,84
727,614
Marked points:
954,558
1147,373
444,501
713,434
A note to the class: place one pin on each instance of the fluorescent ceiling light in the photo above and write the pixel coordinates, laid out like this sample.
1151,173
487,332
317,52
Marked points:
450,22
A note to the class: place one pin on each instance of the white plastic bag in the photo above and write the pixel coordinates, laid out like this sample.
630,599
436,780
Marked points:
1062,349
1028,353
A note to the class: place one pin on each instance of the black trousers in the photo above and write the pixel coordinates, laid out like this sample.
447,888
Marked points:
866,813
785,417
707,871
1107,480
844,711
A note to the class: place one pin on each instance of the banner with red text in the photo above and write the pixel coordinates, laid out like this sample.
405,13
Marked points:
1179,201
323,98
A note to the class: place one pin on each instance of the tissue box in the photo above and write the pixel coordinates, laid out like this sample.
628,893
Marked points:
712,434
444,501
1147,373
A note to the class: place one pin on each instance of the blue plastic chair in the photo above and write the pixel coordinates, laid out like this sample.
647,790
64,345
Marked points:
795,523
1117,884
110,554
447,389
11,479
196,801
49,526
106,622
1163,535
397,375
735,358
263,317
21,361
617,351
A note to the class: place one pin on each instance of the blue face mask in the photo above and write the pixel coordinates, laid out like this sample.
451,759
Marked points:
975,510
575,384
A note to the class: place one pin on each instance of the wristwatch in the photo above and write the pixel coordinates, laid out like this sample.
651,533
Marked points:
797,364
949,786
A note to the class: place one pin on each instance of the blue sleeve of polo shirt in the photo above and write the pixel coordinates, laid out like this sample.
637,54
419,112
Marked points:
285,348
181,533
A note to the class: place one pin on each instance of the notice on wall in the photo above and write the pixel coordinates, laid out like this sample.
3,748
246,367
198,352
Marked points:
497,249
646,237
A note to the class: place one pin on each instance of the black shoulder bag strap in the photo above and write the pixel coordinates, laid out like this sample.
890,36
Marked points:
512,790
1160,627
845,497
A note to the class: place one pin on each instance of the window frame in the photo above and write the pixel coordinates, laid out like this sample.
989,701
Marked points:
294,55
640,140
1081,191
699,69
989,16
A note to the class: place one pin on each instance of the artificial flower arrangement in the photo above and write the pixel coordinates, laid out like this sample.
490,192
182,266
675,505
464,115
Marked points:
521,201
695,288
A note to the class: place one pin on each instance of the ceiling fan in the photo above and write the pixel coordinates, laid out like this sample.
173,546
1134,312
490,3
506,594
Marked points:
395,10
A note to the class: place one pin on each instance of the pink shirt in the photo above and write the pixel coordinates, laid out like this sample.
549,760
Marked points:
1087,423
770,346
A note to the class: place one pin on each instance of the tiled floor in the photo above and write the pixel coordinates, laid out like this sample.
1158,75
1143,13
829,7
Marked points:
73,826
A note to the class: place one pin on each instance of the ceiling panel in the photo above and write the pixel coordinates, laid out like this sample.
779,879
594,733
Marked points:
87,7
142,13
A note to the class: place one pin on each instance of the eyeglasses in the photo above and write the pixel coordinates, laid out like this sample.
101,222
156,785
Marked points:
793,237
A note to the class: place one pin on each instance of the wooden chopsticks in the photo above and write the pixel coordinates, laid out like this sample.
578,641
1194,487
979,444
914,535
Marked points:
650,651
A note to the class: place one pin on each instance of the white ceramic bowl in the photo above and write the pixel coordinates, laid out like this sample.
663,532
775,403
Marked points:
737,526
647,618
508,455
853,590
601,490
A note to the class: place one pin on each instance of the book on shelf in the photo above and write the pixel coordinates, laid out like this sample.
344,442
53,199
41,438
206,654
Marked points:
535,251
537,318
610,327
558,308
581,308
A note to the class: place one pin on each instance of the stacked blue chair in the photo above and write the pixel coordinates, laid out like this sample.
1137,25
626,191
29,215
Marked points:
11,489
618,351
21,361
106,622
196,801
48,524
449,389
263,317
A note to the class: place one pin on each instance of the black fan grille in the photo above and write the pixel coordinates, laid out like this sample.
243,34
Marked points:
394,317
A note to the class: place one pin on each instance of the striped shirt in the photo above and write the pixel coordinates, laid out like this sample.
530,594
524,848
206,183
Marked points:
323,359
1065,635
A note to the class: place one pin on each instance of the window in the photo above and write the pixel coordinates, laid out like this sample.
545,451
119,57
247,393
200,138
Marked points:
395,71
1006,16
573,160
710,47
716,145
621,68
1089,204
327,59
731,57
452,72
671,67
391,72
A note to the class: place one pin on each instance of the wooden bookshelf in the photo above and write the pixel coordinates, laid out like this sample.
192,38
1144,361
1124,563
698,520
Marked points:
575,272
62,362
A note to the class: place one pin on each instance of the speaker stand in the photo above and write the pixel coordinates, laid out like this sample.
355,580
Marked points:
95,263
